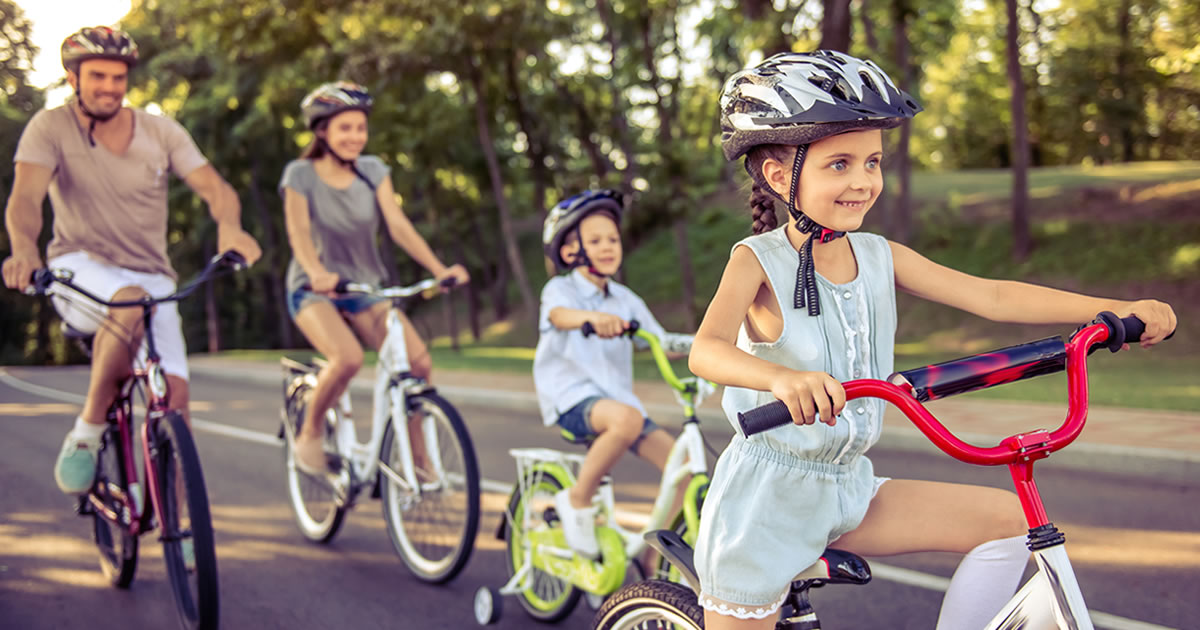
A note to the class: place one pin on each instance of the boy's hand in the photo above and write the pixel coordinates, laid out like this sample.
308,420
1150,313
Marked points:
608,325
1159,318
810,396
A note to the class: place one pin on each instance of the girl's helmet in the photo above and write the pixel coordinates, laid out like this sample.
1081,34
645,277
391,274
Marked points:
99,42
331,99
799,98
565,217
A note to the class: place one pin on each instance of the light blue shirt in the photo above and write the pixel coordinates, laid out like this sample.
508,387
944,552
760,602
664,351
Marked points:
567,368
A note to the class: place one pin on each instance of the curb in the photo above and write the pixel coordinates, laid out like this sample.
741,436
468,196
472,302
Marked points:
1152,463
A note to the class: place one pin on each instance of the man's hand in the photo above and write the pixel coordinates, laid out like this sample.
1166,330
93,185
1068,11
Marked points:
17,270
458,272
233,237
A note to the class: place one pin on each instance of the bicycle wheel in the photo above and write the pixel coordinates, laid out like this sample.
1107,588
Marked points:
176,466
314,501
118,547
434,532
548,598
652,604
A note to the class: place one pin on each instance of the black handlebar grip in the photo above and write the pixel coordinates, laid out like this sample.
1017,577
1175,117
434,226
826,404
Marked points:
234,259
40,280
341,286
771,415
449,282
588,329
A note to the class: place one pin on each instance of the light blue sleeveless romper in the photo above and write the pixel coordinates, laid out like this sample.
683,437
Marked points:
780,497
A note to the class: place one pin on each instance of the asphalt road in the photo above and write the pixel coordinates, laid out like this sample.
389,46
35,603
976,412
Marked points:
1135,543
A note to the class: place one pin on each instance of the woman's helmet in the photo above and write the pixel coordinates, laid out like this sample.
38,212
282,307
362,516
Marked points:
565,217
100,42
334,98
799,98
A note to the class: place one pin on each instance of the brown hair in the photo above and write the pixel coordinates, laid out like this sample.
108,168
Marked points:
762,196
316,149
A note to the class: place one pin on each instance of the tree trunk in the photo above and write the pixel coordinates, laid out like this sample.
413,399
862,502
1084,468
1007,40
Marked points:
902,198
587,127
271,260
619,106
1022,240
533,136
1130,91
212,320
505,216
472,293
835,25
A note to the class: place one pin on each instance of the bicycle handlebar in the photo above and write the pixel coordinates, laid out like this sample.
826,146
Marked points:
425,288
1106,328
41,280
656,350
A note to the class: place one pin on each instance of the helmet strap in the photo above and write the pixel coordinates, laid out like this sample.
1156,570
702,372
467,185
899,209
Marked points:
806,275
92,117
350,164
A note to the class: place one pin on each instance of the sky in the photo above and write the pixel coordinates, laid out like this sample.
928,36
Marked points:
53,21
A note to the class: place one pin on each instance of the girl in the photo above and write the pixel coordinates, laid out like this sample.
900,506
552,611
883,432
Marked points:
806,306
333,196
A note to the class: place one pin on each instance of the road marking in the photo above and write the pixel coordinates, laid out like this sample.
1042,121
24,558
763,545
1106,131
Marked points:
879,570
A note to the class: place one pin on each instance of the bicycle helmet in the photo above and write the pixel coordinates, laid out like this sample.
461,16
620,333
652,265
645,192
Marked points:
797,99
99,42
331,99
565,217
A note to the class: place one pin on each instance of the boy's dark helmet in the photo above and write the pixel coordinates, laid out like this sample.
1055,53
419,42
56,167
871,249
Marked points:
565,217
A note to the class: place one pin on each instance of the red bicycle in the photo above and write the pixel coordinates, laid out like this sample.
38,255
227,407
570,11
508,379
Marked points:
658,604
171,467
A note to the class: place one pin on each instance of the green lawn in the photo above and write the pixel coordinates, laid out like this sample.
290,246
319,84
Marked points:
1135,379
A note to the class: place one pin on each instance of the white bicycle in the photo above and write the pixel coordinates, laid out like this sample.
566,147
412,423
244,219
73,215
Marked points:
418,458
1052,588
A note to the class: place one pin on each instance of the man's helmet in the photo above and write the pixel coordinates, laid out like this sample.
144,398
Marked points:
334,98
100,42
799,98
568,213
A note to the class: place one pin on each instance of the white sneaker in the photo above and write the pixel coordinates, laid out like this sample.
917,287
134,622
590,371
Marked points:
579,526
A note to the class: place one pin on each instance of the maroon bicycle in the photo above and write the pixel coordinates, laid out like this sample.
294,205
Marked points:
171,468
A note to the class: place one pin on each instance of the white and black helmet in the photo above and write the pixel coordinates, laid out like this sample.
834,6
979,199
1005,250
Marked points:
331,99
566,216
799,98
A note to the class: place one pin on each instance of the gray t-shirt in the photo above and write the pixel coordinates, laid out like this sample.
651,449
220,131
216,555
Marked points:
344,222
113,207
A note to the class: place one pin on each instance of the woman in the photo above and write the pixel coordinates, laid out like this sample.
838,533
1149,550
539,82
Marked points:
333,198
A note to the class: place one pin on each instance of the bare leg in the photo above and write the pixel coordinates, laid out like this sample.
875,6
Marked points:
328,333
113,349
618,425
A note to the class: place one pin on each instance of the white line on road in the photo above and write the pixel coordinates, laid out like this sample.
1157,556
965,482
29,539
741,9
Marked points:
878,570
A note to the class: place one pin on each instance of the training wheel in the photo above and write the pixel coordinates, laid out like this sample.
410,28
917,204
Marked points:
487,605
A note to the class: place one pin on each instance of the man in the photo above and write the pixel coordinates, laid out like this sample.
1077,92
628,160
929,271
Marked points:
105,167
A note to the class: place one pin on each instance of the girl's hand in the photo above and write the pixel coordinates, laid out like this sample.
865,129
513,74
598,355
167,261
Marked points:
810,396
1159,318
323,282
608,325
458,272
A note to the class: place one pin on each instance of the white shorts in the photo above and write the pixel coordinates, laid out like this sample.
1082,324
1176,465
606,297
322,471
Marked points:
104,280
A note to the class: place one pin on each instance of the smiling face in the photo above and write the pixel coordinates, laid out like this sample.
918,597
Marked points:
101,84
346,133
602,241
840,180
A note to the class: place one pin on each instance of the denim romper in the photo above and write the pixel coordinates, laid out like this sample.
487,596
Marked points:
780,497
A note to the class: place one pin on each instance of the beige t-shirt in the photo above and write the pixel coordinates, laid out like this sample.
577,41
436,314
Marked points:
113,207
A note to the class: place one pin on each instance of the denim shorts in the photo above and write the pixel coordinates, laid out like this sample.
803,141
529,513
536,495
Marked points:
577,427
352,304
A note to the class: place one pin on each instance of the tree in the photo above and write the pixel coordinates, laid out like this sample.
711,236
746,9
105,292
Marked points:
1022,239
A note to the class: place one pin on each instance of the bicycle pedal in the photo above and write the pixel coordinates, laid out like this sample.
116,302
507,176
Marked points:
551,516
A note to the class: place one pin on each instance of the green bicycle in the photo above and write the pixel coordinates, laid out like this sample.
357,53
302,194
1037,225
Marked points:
546,576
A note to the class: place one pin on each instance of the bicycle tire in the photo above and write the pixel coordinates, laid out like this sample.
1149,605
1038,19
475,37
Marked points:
653,601
117,546
177,467
434,533
318,513
548,599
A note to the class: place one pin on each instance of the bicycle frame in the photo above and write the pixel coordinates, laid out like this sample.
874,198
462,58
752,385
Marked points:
1054,585
394,383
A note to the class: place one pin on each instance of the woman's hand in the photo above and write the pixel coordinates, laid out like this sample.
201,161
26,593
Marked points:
458,272
608,325
1159,318
323,282
810,396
